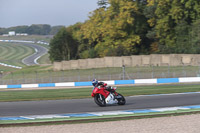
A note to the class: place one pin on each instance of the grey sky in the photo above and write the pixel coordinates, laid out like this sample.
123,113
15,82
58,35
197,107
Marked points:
53,12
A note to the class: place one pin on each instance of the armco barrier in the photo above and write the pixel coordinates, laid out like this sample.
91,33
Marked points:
111,82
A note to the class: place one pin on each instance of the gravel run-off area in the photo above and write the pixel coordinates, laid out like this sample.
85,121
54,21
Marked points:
172,124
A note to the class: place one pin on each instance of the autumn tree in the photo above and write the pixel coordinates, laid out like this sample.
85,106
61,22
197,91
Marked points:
117,29
167,20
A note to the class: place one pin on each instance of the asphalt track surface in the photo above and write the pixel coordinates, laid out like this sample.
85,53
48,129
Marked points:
87,105
32,59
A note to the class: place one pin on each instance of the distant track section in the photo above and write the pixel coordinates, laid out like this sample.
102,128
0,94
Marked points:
39,51
32,59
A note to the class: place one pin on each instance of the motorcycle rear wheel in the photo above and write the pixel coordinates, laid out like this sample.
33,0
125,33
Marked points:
100,100
122,100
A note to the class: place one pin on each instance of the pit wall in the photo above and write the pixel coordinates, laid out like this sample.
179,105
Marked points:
131,61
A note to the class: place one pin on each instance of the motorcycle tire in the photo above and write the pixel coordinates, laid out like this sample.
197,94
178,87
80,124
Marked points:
100,100
121,100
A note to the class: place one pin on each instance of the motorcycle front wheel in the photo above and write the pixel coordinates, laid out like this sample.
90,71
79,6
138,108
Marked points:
100,100
121,100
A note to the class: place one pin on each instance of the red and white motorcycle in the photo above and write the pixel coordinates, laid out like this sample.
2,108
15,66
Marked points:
103,96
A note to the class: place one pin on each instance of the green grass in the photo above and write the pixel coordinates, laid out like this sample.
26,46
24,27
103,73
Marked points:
45,94
6,69
29,72
28,38
44,59
30,69
158,89
78,93
13,54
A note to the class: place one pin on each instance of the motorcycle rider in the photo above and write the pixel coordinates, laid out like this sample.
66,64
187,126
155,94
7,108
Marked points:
95,83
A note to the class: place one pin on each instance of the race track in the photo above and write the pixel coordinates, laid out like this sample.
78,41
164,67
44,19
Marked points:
87,105
32,59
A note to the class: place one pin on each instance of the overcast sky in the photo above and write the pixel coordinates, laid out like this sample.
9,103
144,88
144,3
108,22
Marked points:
53,12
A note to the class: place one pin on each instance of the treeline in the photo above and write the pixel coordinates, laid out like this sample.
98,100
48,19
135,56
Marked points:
35,29
132,27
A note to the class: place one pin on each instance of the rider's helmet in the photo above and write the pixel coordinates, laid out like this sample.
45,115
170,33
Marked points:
94,82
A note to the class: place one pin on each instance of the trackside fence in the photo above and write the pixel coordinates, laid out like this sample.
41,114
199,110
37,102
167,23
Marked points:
102,74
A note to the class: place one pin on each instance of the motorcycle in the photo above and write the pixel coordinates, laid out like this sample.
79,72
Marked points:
103,96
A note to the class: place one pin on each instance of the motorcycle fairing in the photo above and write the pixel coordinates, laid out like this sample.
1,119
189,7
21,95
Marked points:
102,91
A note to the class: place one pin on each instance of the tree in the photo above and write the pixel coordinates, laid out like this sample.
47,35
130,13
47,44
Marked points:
167,18
62,46
119,26
102,3
55,29
149,12
194,36
39,29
